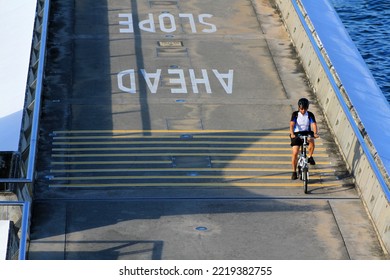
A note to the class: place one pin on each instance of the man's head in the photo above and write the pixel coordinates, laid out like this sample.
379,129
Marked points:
303,104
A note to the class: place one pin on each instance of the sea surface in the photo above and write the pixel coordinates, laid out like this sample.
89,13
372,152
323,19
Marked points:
367,22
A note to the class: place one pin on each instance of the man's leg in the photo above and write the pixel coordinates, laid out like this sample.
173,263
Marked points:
311,151
311,147
294,158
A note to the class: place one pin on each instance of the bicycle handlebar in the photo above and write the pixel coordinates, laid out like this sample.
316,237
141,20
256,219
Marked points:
308,136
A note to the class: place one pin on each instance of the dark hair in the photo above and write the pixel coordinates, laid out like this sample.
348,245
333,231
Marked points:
303,103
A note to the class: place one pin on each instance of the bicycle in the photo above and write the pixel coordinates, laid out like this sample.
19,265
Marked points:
302,164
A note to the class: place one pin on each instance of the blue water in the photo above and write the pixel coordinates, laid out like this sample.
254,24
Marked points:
367,22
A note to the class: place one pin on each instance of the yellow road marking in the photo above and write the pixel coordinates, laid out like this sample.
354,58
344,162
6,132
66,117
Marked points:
176,142
230,184
169,154
177,169
168,131
170,137
112,162
241,177
170,162
268,162
251,138
173,148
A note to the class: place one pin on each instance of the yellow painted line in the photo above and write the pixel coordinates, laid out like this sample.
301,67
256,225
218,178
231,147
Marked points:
97,178
284,162
176,142
177,169
119,162
253,162
170,154
112,162
230,184
168,131
170,137
174,148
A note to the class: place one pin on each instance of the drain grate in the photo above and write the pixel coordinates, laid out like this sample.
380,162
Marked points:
171,48
170,44
172,52
191,162
163,3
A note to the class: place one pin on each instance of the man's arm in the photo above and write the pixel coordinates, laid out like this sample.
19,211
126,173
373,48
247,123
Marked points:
314,128
292,125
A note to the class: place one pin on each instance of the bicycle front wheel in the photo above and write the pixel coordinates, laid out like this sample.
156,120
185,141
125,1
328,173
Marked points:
305,178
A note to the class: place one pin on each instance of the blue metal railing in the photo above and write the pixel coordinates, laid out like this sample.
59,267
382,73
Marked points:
38,92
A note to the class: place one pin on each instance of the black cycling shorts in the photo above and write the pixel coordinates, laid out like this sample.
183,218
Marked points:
297,141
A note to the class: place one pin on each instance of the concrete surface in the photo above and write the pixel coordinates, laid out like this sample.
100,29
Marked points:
190,175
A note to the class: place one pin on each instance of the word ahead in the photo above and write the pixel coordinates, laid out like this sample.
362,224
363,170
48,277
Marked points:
166,23
177,78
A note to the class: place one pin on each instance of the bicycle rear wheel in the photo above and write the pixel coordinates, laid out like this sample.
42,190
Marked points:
305,178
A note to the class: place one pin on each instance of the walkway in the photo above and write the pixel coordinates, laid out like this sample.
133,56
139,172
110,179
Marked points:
165,136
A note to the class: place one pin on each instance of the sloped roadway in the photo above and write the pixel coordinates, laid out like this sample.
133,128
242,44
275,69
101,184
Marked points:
164,135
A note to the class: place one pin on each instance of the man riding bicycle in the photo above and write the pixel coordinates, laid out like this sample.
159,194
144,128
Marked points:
303,122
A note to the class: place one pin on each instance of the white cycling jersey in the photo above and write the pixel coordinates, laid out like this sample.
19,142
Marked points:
302,121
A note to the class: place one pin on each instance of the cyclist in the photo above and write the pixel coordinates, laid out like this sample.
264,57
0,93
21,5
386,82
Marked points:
303,122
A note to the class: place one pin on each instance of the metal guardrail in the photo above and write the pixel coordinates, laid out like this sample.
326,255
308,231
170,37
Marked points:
31,114
22,183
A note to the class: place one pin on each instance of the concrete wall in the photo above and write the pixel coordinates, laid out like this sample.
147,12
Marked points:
355,144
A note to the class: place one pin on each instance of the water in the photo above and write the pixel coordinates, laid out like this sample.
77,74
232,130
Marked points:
367,22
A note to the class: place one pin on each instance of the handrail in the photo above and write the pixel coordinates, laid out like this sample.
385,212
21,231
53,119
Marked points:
38,90
33,144
16,180
24,230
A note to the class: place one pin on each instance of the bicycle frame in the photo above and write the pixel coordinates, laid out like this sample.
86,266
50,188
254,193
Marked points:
302,165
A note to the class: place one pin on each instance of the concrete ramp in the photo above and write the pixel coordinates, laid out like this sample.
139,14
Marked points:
164,135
